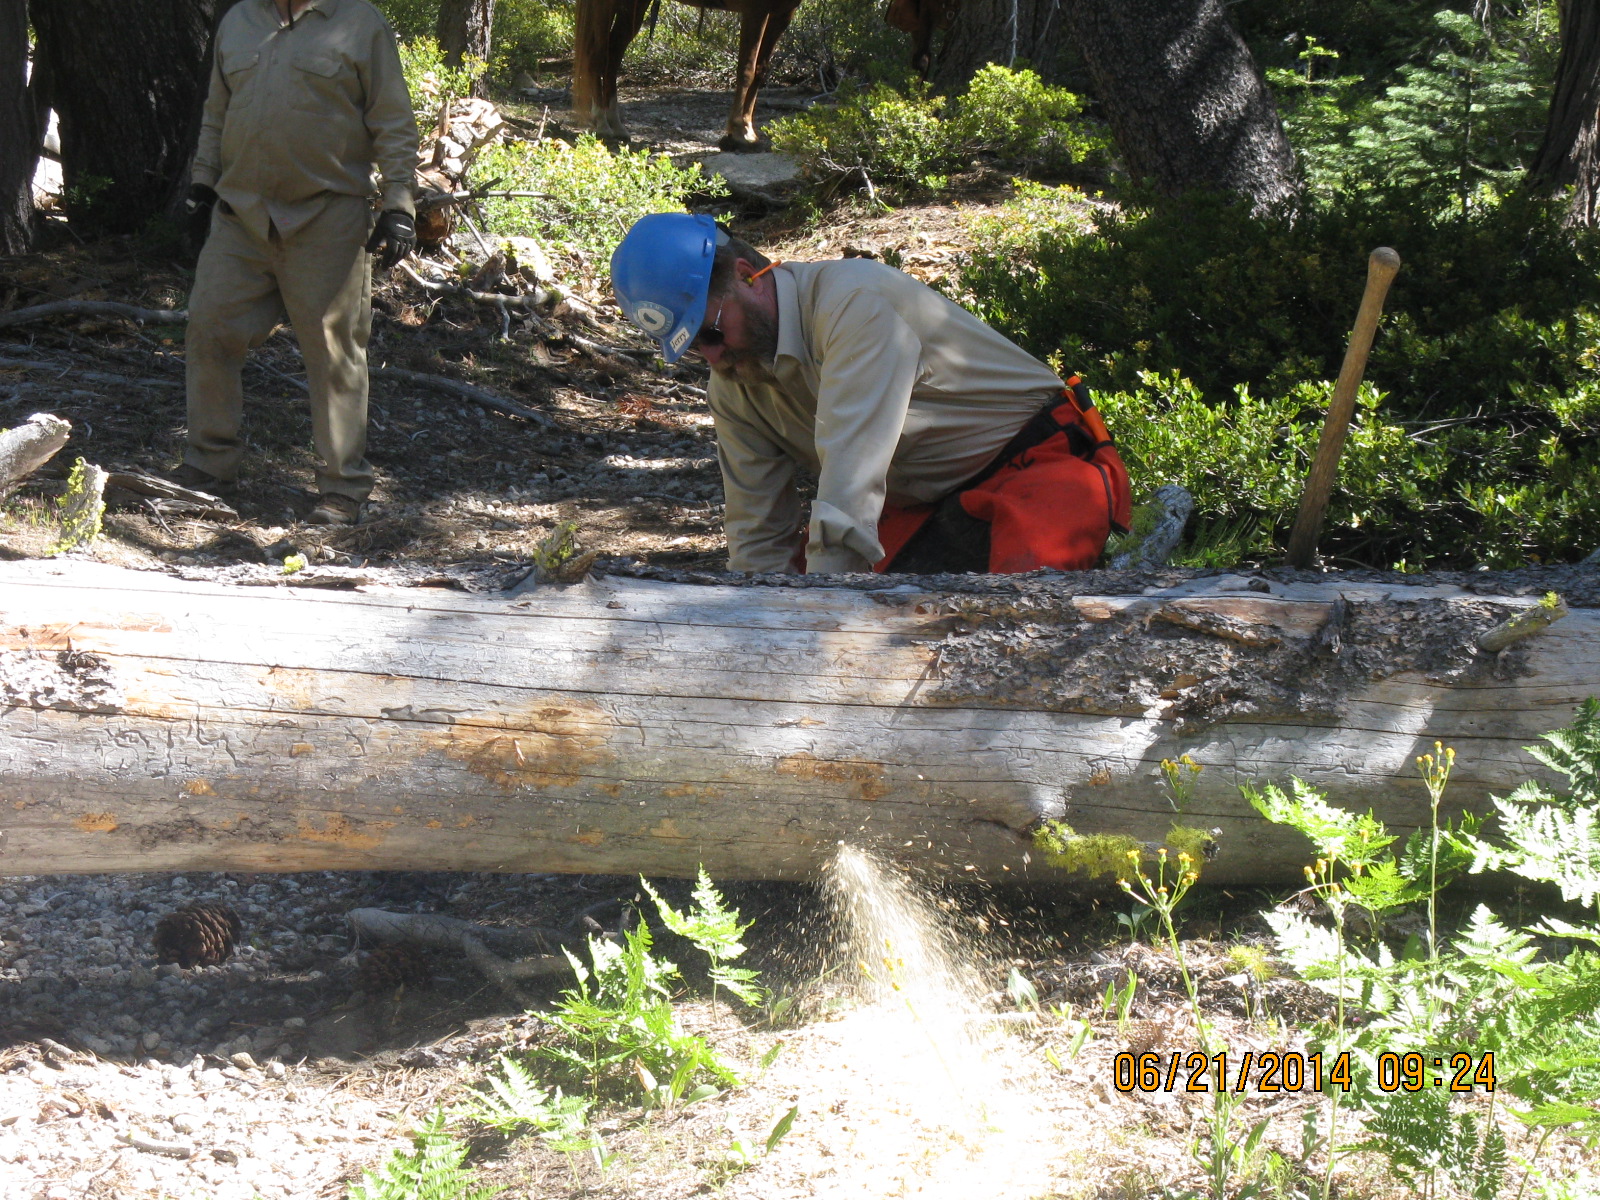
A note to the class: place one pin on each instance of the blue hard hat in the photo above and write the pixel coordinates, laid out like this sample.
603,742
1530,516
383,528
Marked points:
661,272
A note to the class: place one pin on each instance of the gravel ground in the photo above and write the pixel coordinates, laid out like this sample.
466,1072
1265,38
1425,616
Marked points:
121,1077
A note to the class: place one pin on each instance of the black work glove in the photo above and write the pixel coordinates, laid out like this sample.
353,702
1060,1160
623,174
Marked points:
197,208
394,237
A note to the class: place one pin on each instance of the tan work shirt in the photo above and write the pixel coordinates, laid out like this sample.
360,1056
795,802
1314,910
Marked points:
296,113
886,390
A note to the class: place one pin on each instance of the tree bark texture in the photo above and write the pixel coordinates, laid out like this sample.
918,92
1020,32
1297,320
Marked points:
1187,104
19,132
124,78
464,30
1570,151
1000,31
158,724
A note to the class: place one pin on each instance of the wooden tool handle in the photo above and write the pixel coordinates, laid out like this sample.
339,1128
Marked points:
1381,269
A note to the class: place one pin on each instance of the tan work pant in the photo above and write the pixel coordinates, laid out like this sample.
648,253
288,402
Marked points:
321,276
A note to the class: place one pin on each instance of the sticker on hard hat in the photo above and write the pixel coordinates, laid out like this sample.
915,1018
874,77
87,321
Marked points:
679,340
651,317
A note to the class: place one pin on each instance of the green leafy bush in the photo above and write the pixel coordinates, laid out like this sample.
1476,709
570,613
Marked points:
524,34
429,81
1485,446
910,141
1017,117
830,41
588,196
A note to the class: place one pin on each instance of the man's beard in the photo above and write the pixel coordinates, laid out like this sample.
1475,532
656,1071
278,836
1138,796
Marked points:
752,366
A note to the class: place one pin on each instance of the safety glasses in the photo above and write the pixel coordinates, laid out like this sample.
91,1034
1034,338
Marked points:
711,335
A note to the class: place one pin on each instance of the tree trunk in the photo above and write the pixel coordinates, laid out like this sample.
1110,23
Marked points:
1570,152
619,726
19,133
1008,32
124,79
1187,104
464,32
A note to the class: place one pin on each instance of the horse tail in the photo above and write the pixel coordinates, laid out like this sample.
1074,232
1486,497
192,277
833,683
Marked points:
655,11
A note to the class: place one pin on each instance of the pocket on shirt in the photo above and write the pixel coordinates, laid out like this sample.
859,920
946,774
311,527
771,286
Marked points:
238,68
324,83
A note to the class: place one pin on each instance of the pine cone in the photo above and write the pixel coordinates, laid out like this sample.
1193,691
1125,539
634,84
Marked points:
390,967
197,935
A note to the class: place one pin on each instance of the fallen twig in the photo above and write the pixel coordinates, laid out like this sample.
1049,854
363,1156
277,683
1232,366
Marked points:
467,392
62,371
94,308
628,356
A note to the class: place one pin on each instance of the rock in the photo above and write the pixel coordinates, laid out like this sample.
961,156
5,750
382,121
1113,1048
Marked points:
762,178
243,1061
151,1039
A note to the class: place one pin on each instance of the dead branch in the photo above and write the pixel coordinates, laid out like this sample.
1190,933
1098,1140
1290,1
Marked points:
29,446
447,933
29,364
169,499
1525,624
467,392
630,357
543,300
94,308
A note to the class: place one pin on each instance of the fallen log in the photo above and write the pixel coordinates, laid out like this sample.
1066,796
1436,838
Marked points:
155,723
27,447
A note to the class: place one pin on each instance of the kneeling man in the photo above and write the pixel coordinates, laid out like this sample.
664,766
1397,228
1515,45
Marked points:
937,444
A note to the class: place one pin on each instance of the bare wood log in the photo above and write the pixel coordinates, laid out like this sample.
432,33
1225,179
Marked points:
157,723
93,308
27,447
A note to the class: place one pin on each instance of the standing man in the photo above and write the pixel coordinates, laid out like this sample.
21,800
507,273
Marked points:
937,445
307,98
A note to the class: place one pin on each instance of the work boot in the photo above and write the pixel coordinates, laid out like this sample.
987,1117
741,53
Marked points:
196,480
334,509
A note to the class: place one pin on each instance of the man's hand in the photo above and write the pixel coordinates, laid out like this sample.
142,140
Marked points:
197,208
392,238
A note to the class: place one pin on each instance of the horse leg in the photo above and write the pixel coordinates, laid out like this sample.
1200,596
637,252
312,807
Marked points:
604,30
758,34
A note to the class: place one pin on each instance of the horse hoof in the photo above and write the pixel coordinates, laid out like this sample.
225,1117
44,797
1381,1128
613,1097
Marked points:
736,146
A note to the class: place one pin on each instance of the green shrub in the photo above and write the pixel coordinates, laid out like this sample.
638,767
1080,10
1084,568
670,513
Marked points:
588,195
688,47
889,139
524,34
831,41
910,141
429,81
1485,447
1017,117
